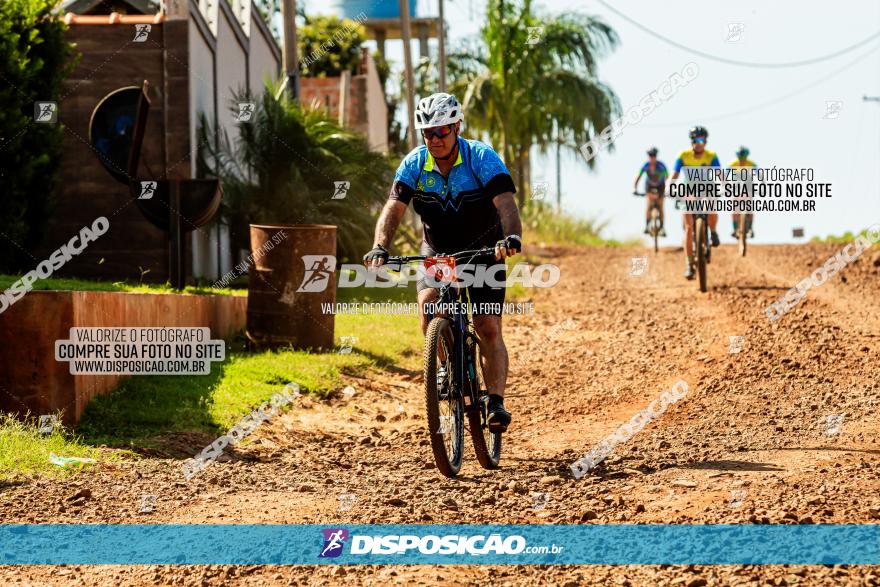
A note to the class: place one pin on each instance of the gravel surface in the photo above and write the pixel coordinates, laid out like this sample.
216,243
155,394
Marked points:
782,432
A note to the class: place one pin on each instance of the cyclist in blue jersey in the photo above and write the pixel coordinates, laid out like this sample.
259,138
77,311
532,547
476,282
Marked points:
655,173
463,193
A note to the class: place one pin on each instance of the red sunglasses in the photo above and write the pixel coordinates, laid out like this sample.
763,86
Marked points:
441,132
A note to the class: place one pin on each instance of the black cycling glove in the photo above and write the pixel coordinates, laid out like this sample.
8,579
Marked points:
514,242
377,252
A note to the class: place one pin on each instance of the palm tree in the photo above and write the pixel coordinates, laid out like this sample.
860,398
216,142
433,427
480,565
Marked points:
283,166
532,81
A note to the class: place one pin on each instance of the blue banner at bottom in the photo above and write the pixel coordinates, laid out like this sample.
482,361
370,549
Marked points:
439,544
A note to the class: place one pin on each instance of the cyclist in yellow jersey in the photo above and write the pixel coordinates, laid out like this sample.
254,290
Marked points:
696,156
742,160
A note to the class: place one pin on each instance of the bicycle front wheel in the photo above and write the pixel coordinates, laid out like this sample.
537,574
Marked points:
700,233
443,402
655,228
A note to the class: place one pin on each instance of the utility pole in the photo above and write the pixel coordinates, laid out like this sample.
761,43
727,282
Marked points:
558,171
442,48
407,65
291,63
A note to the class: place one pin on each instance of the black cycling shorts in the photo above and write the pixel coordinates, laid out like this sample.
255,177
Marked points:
484,299
661,189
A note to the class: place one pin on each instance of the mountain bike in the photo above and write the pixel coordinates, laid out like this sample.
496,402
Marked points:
703,246
454,387
742,232
655,225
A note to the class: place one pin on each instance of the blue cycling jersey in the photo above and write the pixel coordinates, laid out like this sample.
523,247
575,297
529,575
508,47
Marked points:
458,211
655,178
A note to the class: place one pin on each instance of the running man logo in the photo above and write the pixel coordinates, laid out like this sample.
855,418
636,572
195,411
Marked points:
334,541
832,109
539,190
346,343
735,344
141,32
446,423
638,267
833,424
148,189
735,32
148,504
346,502
737,497
319,272
535,34
245,111
340,189
539,500
48,423
46,112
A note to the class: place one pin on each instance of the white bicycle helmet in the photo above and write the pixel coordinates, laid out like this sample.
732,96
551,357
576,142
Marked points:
438,110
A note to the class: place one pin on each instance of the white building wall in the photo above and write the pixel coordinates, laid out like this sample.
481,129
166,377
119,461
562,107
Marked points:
263,60
231,72
245,53
201,92
377,112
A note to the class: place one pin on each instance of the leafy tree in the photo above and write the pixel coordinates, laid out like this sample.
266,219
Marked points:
35,60
532,80
328,45
282,168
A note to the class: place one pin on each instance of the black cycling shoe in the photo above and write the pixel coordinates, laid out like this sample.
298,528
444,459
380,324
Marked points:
689,270
498,418
715,240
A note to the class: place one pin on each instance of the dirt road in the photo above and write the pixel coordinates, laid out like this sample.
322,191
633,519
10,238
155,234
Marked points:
784,431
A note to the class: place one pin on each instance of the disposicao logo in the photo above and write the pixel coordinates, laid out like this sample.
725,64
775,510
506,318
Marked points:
334,541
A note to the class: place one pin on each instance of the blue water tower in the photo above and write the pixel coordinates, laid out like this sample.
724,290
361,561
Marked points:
373,9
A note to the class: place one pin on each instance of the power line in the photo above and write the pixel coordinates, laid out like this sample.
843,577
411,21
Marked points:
773,102
733,61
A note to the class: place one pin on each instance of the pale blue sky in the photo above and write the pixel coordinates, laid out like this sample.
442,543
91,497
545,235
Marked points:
789,130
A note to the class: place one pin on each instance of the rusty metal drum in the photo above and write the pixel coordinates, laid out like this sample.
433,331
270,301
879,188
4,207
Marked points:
291,280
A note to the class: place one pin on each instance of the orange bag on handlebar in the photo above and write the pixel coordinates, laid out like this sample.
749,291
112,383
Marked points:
441,269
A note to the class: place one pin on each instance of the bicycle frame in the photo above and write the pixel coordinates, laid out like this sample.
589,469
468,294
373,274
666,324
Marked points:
465,373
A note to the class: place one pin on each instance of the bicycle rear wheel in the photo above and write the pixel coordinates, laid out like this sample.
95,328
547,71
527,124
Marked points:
487,444
443,403
655,228
701,244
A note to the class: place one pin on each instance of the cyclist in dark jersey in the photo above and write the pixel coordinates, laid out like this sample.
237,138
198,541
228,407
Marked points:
463,193
655,186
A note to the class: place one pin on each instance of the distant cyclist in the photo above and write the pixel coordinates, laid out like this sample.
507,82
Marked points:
742,160
656,174
696,156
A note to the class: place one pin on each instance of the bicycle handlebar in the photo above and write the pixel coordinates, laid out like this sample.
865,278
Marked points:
461,254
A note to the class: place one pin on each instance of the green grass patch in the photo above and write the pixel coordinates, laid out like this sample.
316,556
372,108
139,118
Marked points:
53,284
846,237
544,224
144,408
25,451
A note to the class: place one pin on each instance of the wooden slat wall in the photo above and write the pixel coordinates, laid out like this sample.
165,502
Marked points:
111,60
